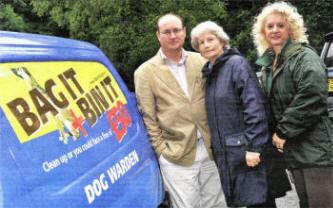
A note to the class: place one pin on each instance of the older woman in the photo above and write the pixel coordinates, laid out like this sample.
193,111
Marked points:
295,82
237,119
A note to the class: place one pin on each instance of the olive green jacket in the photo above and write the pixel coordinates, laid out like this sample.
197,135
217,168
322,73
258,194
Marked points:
297,95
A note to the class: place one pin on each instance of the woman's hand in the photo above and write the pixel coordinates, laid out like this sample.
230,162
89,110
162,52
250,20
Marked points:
278,142
252,158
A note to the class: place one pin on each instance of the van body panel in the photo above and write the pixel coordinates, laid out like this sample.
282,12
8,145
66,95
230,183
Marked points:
70,131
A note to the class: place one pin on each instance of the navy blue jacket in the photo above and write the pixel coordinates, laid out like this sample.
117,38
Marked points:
237,118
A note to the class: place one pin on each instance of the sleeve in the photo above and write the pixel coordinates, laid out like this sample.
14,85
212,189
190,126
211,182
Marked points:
310,101
147,107
253,106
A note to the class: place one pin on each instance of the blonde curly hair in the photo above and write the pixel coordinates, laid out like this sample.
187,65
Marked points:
293,19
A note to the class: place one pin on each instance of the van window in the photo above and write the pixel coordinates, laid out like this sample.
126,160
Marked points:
329,56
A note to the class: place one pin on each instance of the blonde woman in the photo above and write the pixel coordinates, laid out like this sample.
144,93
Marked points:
295,83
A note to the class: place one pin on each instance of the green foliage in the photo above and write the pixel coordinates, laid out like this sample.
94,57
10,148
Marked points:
318,19
125,30
10,20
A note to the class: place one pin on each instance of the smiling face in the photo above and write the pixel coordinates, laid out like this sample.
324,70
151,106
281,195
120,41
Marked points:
171,33
277,31
210,46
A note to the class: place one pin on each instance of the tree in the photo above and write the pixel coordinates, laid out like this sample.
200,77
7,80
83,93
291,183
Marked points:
11,20
316,13
125,29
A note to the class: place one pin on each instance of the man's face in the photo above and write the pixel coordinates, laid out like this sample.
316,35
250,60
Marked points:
171,33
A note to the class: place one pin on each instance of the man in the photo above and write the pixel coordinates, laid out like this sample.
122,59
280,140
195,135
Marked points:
170,93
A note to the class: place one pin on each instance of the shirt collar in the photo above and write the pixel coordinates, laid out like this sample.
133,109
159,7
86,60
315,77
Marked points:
167,60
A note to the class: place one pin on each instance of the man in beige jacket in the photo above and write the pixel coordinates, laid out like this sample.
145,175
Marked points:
170,93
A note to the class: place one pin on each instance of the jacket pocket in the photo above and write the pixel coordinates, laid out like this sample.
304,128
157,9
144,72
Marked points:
236,145
236,140
247,185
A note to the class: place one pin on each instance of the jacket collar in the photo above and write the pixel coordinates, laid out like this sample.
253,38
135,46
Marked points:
288,50
268,56
266,59
227,53
166,59
165,75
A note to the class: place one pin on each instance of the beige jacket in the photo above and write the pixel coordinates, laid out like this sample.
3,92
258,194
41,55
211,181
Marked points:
170,116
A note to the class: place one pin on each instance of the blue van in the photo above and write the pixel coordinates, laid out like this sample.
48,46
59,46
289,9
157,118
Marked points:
70,131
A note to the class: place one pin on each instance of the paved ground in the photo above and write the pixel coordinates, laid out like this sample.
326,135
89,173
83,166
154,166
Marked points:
289,201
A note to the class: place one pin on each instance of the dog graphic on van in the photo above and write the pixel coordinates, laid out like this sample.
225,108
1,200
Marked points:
63,119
